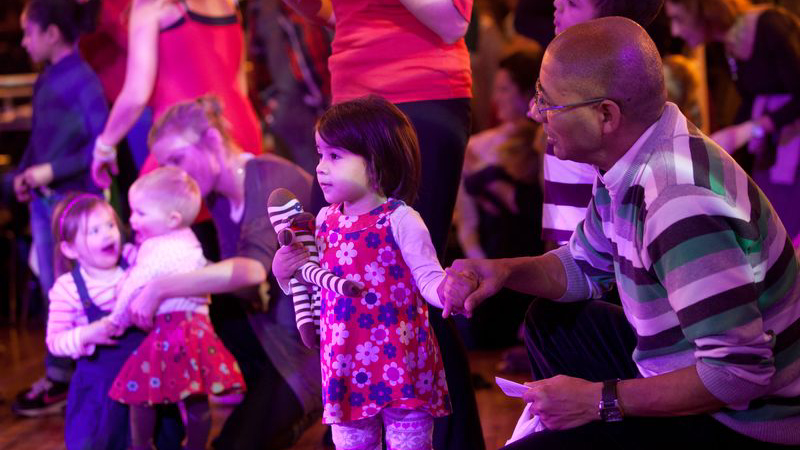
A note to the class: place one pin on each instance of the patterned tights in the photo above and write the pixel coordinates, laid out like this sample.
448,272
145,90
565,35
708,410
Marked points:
405,430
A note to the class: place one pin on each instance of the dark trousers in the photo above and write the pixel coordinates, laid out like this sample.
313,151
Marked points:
593,340
270,416
443,127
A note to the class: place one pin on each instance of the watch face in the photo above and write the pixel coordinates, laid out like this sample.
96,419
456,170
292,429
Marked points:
611,414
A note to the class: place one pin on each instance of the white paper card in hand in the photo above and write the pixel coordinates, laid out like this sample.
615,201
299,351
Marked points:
510,388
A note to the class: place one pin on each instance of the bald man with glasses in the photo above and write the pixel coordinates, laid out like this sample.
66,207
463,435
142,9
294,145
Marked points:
704,351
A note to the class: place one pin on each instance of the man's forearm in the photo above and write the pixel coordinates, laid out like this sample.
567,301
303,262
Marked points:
675,393
541,276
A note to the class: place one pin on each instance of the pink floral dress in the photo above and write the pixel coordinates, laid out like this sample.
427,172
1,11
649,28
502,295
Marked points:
378,349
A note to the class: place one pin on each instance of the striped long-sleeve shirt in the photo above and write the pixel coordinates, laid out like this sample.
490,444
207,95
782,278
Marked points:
705,271
67,319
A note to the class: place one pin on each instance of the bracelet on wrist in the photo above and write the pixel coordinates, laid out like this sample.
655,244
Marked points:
104,150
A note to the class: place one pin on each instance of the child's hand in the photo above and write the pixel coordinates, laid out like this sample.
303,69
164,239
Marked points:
455,289
287,260
39,175
99,332
21,189
129,252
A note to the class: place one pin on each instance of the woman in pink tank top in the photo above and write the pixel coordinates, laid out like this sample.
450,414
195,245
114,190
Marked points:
180,50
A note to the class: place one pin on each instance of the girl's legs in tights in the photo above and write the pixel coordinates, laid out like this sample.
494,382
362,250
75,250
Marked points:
405,430
143,424
197,419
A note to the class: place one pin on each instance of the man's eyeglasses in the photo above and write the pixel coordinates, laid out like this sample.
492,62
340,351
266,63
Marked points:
542,106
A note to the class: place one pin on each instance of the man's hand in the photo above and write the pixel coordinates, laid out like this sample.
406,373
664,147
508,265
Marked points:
21,189
490,274
454,289
99,332
143,306
39,175
564,402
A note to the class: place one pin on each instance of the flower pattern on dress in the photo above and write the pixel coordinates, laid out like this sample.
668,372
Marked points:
400,294
347,221
346,253
405,332
374,273
387,257
377,346
379,334
339,333
362,377
393,374
371,298
333,411
343,365
367,353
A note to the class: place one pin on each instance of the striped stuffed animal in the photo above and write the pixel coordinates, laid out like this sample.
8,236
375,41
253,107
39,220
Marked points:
292,223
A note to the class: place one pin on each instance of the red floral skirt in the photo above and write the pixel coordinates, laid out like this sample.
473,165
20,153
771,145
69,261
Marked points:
181,356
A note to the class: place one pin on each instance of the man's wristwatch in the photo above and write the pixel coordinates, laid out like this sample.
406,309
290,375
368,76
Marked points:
609,408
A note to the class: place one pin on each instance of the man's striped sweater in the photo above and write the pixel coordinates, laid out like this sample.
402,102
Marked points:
705,271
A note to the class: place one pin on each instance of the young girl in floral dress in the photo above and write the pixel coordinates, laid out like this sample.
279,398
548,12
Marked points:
380,361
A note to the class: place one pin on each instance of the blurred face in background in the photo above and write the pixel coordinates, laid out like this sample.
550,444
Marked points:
685,25
509,102
572,12
36,41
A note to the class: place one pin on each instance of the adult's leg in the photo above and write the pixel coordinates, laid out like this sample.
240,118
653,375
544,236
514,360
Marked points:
270,416
442,127
591,340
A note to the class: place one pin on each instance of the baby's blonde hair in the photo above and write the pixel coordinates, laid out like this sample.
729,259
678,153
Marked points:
173,189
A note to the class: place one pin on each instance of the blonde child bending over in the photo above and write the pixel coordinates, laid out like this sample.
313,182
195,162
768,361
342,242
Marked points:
181,360
381,364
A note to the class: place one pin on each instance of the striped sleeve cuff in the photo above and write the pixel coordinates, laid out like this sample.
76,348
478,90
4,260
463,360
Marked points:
577,286
727,387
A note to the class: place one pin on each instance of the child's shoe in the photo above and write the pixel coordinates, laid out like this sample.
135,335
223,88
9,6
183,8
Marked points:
42,398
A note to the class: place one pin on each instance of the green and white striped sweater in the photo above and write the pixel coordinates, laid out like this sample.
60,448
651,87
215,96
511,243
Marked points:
705,270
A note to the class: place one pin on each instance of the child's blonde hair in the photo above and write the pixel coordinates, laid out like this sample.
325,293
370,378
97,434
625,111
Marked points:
68,216
173,189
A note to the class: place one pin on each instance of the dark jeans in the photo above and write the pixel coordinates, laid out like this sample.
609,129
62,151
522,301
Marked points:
593,340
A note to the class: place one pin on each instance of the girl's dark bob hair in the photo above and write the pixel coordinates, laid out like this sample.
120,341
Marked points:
378,131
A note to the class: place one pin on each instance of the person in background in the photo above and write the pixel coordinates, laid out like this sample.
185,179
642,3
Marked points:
178,51
69,110
568,184
762,44
255,322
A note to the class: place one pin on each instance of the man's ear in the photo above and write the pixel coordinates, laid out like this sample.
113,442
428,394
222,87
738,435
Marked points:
68,250
611,116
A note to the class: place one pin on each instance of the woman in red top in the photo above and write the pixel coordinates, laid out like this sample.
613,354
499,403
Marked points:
179,50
